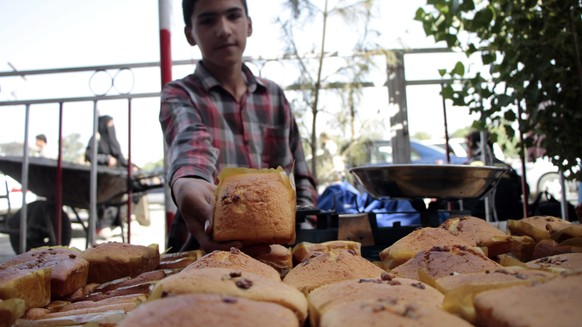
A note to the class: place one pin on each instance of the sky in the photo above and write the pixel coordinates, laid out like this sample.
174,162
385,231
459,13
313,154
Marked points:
47,34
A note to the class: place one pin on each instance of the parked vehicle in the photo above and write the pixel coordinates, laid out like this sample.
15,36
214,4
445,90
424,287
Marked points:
420,153
542,175
11,196
458,147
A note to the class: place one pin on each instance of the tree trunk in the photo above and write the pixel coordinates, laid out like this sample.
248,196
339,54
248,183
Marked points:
314,106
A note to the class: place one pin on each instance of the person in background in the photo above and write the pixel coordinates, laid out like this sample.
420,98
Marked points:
507,195
108,148
109,154
40,142
224,116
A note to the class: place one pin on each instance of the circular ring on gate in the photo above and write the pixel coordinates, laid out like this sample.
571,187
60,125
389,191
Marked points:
124,81
100,82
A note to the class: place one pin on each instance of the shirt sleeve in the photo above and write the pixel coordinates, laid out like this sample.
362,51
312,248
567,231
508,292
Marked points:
190,150
304,180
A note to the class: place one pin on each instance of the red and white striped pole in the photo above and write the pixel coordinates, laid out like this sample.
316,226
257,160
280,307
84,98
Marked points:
165,11
165,17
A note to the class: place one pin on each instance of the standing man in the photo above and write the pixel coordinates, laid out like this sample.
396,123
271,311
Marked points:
224,116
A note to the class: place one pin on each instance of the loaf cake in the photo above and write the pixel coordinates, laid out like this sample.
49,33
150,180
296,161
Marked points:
10,311
275,255
329,267
68,270
549,247
233,283
254,206
235,259
33,286
304,250
388,312
567,262
113,260
535,227
460,289
522,247
327,296
201,310
553,303
419,240
478,232
444,261
179,260
565,232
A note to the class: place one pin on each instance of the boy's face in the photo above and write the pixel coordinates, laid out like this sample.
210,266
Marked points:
220,29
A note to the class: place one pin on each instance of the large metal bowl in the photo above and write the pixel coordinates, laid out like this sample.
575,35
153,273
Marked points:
447,182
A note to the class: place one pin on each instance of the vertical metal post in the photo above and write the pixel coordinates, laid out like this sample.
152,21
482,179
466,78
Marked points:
93,181
484,145
165,19
23,211
59,191
564,202
129,171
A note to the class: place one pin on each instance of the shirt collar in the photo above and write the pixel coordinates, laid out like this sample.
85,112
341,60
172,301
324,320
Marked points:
208,81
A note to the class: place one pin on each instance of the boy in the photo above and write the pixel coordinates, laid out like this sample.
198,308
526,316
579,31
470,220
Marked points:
224,116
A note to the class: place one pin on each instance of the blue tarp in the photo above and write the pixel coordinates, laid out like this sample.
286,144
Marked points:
343,197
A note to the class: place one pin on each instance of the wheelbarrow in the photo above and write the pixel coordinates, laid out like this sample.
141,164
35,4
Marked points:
112,187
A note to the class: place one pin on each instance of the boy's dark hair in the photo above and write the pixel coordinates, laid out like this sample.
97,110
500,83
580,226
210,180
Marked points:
41,137
188,8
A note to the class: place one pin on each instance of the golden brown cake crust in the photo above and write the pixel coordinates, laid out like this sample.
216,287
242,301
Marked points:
378,312
444,261
209,310
275,255
34,286
478,232
535,226
304,250
567,262
330,267
555,302
68,270
419,240
235,259
327,296
113,260
255,207
232,282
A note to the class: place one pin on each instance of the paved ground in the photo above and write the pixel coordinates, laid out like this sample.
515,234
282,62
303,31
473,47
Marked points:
142,235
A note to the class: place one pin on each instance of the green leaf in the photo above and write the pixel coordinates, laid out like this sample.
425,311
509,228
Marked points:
483,17
459,69
504,100
442,72
447,92
488,58
510,116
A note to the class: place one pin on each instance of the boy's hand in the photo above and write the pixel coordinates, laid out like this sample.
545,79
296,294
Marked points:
195,199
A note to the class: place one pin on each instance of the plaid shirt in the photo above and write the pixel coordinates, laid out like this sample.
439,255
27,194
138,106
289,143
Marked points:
206,130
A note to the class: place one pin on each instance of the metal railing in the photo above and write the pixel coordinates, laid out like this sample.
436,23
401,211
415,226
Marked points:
97,98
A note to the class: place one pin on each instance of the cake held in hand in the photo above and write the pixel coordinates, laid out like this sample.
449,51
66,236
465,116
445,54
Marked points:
255,206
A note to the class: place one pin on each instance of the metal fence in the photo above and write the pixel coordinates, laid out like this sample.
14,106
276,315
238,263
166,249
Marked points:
99,96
